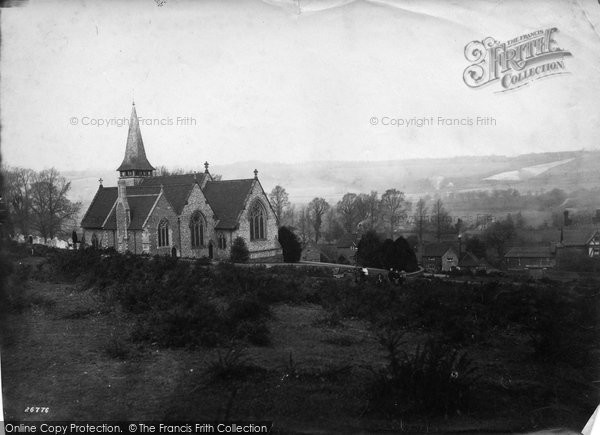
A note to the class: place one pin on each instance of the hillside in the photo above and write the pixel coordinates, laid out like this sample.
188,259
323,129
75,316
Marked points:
303,181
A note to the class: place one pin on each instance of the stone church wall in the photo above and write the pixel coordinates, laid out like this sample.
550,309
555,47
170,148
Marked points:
197,202
269,246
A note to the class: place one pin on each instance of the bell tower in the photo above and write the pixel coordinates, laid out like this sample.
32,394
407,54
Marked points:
135,166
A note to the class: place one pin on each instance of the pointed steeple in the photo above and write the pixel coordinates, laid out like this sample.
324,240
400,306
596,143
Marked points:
135,156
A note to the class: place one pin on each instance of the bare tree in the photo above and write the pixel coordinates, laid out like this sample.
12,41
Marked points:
316,209
368,209
421,218
304,226
347,208
18,197
279,201
50,207
440,218
393,208
289,216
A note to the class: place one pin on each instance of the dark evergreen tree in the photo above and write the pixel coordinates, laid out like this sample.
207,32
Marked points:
406,258
369,250
292,249
239,251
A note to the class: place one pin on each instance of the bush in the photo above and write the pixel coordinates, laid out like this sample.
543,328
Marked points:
292,249
239,251
434,381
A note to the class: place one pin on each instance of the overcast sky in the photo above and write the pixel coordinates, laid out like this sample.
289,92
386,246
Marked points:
282,81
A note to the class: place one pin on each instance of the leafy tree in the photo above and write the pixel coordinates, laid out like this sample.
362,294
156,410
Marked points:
292,249
239,251
279,201
316,209
393,208
369,250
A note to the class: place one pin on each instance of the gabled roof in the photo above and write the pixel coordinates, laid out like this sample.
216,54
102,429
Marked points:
577,237
529,252
100,207
170,180
140,200
436,249
176,188
227,199
135,154
347,241
470,260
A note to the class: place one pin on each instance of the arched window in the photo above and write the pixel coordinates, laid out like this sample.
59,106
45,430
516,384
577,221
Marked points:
257,221
222,241
95,243
163,233
197,229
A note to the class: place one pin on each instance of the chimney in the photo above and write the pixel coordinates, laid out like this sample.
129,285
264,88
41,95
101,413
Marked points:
561,235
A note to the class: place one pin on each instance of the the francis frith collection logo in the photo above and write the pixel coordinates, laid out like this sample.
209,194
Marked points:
514,63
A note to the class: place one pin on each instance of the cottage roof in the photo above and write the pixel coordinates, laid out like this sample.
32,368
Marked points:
529,252
135,155
436,249
577,237
347,241
470,260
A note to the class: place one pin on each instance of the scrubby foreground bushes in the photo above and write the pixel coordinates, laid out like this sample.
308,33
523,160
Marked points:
188,304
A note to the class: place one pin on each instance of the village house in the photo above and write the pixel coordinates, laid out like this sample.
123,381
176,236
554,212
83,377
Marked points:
468,261
439,257
347,246
189,215
581,241
530,257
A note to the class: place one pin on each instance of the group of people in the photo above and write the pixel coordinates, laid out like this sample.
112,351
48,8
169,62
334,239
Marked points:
395,277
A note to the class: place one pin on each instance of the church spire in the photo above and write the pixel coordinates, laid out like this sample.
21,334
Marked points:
135,163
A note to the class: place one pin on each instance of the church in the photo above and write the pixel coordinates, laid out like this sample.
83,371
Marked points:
190,215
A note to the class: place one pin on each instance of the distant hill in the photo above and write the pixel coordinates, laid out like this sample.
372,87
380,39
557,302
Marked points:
416,177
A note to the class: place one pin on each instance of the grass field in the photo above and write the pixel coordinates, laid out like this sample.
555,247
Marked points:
69,350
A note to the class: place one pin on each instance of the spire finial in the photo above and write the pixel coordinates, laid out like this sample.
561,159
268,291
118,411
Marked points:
206,167
100,180
256,174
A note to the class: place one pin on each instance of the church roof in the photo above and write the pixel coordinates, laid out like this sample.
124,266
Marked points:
176,188
100,207
135,155
169,180
227,199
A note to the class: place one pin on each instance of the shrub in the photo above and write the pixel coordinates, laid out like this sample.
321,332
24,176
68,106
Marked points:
239,251
292,249
232,366
434,381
